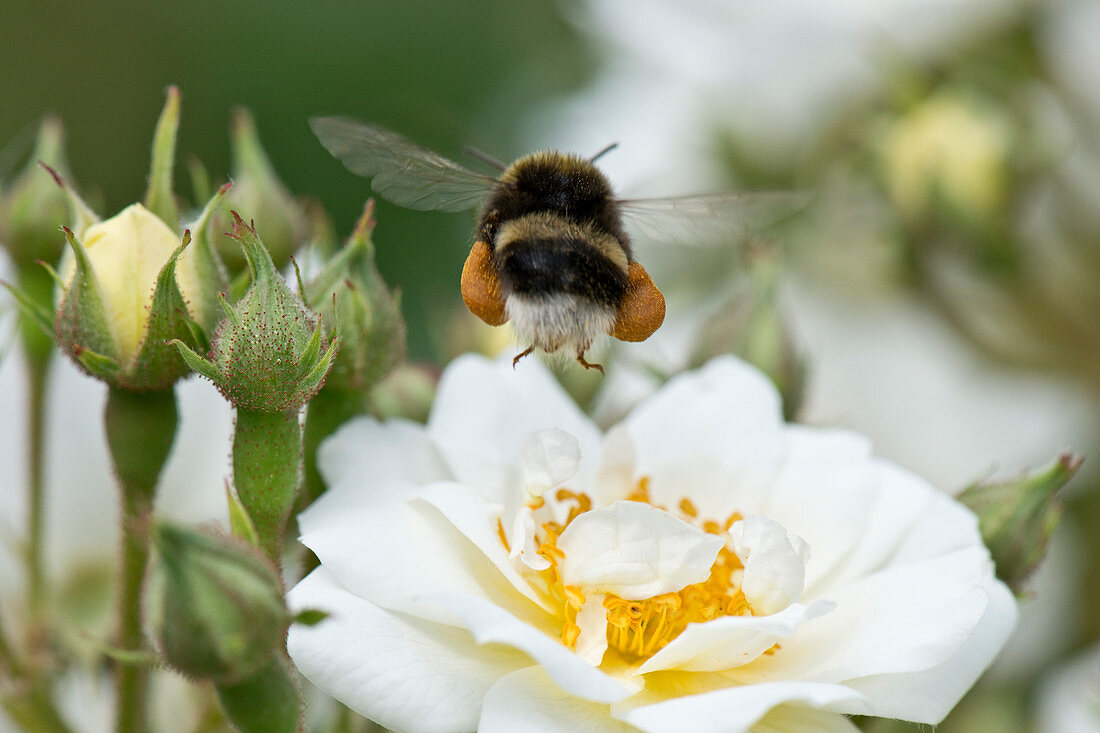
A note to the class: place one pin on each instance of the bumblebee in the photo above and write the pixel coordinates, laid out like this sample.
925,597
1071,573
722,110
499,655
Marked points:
550,252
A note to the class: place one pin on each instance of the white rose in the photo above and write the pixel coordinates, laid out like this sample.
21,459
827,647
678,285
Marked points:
618,599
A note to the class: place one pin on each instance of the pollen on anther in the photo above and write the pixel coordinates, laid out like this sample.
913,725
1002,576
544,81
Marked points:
688,508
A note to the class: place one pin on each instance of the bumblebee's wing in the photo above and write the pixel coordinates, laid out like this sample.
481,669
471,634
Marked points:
401,172
710,218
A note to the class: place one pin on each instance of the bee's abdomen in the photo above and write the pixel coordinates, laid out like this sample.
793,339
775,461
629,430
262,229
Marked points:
564,263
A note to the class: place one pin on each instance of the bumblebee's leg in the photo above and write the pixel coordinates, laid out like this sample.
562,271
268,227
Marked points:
586,365
643,308
481,289
519,356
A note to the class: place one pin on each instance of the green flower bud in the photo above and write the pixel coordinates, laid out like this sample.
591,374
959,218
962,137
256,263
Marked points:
32,207
266,355
281,221
366,318
214,605
1017,518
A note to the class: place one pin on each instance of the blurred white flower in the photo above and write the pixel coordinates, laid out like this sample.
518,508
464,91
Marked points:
1070,697
701,566
776,74
890,368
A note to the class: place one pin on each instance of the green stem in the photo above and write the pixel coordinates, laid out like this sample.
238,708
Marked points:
37,353
267,465
36,519
141,427
266,702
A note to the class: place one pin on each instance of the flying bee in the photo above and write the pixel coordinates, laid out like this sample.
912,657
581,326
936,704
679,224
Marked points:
550,252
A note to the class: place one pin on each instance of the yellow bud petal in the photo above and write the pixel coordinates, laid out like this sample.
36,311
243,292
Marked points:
127,252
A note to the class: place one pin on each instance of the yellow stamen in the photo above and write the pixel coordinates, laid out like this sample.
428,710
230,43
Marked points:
638,628
688,508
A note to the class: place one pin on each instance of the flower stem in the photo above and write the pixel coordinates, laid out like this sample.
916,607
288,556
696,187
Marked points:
141,427
37,354
266,702
267,465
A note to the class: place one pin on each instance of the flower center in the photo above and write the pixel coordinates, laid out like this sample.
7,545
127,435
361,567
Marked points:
639,628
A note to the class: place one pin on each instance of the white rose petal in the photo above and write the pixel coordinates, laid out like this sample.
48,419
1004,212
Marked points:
634,550
548,459
775,563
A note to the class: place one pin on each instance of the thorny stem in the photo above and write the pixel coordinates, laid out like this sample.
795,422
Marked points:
141,427
267,465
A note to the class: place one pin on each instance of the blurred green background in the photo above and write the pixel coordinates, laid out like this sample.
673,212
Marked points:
956,174
446,74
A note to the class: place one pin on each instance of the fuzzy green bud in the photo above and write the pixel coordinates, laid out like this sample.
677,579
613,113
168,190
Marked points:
1017,518
32,207
281,221
266,355
366,318
214,605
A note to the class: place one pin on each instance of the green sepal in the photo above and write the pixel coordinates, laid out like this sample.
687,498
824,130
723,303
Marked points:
315,377
365,314
81,214
82,323
159,197
228,311
198,335
310,617
209,270
308,358
200,179
298,276
96,364
132,657
260,266
198,364
337,268
1018,517
36,312
239,521
61,285
157,365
